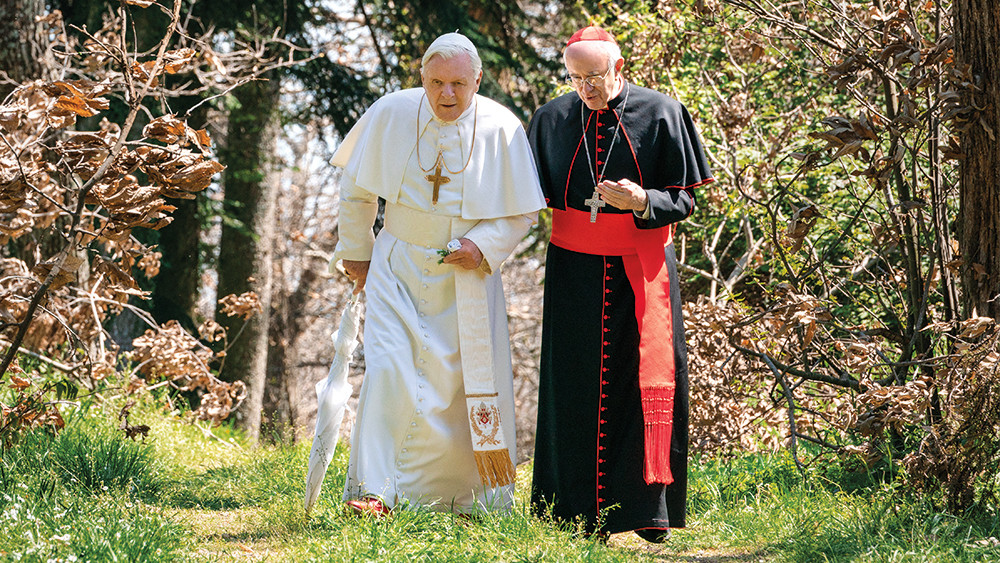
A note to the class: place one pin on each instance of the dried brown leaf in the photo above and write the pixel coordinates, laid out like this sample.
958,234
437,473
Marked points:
167,129
244,305
175,61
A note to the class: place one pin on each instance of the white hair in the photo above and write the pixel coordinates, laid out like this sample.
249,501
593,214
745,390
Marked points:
451,44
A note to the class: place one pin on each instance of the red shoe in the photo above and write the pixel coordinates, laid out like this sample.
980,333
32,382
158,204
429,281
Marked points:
368,506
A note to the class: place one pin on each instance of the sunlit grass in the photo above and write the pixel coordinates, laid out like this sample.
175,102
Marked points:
190,493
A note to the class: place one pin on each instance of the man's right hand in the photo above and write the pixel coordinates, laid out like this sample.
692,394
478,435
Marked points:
357,272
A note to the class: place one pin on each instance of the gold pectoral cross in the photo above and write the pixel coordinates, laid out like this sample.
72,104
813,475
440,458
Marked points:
437,179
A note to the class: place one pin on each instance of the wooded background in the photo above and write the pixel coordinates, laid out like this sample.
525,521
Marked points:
841,278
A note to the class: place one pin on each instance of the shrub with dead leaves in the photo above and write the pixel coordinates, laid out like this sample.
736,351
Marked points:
71,196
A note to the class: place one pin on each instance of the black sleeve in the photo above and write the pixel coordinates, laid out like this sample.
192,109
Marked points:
667,206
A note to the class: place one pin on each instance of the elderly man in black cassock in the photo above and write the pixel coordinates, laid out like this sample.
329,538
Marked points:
618,165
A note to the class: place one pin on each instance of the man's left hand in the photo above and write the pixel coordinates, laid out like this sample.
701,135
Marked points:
468,257
623,194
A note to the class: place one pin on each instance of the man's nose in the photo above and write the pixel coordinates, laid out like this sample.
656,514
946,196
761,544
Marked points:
449,90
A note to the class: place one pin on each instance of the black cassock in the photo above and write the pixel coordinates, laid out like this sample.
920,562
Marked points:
589,448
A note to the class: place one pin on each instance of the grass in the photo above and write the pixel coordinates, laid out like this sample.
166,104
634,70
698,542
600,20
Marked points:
187,495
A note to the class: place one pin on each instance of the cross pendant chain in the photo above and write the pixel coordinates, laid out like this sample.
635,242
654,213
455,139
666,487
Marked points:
594,203
437,178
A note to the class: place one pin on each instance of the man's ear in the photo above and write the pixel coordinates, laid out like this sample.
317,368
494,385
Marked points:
619,64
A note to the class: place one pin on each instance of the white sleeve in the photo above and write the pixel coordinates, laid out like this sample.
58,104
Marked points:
358,209
496,238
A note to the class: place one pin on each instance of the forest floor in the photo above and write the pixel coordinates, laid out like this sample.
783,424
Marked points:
192,494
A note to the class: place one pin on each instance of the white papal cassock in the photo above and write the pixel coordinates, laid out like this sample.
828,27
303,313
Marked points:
412,440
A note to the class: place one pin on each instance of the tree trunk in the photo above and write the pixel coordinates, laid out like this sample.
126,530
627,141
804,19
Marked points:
245,250
22,42
977,43
175,294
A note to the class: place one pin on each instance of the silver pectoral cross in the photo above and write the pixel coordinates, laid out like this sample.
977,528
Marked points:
594,203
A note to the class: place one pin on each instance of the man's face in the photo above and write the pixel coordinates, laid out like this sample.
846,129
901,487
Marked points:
587,62
450,85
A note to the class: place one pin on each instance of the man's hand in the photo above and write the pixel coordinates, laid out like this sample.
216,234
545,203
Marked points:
624,194
357,272
468,257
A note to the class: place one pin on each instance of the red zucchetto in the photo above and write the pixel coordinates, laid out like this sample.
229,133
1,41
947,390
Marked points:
591,33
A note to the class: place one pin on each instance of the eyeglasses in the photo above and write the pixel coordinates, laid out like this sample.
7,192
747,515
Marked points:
593,80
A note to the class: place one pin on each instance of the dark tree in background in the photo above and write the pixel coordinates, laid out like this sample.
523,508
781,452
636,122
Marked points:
251,184
246,248
20,38
977,44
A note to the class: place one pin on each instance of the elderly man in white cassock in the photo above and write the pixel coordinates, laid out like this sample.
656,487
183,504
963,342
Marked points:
435,423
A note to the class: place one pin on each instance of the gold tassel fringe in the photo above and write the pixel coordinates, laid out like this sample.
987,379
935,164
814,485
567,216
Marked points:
495,468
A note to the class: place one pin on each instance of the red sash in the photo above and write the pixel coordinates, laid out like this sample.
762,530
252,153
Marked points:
642,252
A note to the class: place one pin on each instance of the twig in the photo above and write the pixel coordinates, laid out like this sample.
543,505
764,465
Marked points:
209,434
54,363
792,431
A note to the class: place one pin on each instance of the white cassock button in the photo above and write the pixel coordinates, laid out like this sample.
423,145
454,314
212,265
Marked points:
404,450
423,314
413,424
424,347
408,437
421,360
399,464
426,272
425,286
420,412
421,386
